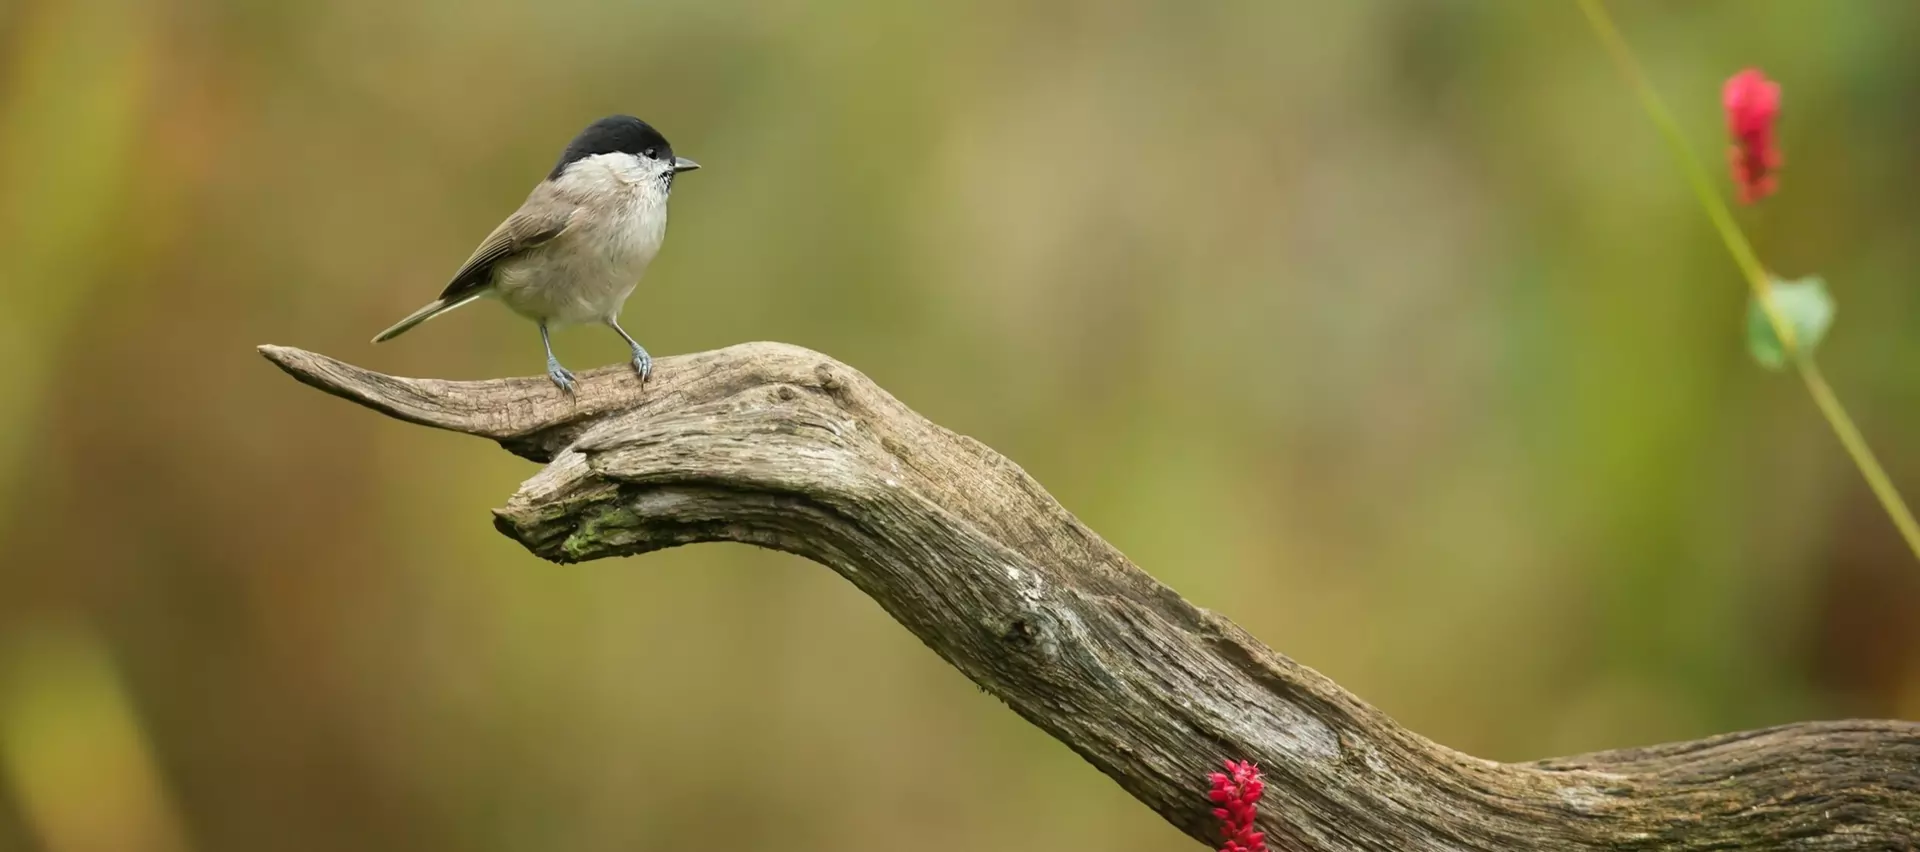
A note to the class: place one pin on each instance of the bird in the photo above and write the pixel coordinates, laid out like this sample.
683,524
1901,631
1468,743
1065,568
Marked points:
579,244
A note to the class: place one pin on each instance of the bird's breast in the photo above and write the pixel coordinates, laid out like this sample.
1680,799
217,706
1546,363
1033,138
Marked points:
585,274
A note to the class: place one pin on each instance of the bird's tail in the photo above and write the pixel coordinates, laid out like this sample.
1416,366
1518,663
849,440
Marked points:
433,309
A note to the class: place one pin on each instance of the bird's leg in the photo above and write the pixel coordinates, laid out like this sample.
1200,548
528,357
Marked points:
642,362
557,373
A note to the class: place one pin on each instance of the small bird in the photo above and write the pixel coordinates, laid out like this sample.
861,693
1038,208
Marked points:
579,244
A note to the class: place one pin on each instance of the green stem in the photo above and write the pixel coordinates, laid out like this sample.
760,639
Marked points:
1862,454
1757,278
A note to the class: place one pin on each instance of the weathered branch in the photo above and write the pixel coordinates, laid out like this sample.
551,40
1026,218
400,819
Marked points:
785,448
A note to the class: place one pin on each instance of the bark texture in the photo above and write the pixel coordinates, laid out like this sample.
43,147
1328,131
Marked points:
785,448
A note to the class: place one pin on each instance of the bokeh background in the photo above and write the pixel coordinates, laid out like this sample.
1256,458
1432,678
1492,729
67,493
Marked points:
1387,329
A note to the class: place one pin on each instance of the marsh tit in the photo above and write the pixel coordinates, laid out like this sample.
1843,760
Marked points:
576,248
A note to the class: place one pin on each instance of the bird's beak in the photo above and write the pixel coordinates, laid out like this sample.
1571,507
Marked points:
682,164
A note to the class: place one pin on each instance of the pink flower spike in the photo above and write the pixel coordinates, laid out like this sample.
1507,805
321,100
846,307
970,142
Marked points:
1752,103
1239,789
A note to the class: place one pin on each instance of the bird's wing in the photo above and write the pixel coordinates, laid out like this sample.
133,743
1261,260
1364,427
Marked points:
536,223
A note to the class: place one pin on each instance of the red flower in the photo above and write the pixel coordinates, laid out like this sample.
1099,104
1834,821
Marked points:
1236,792
1753,103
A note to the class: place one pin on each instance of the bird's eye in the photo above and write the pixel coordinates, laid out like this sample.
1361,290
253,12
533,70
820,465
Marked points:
650,153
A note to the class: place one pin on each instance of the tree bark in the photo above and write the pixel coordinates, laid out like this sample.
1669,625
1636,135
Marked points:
784,448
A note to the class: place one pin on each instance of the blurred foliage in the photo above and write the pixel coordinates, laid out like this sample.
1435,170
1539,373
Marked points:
1806,312
1387,329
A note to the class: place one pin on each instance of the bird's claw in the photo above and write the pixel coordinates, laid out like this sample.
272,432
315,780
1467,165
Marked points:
643,365
561,376
642,362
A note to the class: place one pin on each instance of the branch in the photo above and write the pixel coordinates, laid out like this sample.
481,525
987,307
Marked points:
777,446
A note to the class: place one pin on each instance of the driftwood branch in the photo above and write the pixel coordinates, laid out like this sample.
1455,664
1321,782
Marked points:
785,448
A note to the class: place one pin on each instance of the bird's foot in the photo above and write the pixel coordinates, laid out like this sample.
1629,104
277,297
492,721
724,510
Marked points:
642,364
560,375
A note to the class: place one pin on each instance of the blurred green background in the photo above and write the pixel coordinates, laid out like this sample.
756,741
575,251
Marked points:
1387,329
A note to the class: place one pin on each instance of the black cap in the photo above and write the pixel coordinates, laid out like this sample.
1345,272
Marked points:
615,134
